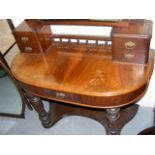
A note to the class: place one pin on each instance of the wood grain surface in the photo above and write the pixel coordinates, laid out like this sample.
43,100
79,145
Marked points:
92,75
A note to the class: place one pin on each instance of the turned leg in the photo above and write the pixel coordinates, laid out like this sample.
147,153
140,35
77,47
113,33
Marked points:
113,115
39,108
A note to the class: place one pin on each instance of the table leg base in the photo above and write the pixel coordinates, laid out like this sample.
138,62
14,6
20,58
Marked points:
37,104
113,126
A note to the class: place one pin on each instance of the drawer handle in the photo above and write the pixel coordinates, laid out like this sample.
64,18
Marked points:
60,95
29,49
24,39
129,56
130,45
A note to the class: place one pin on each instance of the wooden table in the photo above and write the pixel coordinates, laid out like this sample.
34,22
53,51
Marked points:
83,82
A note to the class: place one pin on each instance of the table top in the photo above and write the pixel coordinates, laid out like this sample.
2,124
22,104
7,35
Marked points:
81,72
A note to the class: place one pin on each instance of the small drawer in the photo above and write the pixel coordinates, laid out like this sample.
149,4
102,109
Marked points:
28,47
24,37
52,94
133,57
131,44
62,95
27,42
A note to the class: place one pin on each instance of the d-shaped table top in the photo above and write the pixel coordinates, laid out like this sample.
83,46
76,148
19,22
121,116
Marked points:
83,72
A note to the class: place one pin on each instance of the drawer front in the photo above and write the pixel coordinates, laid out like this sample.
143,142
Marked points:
133,57
52,94
131,44
27,42
62,96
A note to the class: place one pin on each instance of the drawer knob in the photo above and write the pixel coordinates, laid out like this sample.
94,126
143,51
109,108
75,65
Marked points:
24,39
130,45
29,49
60,95
129,56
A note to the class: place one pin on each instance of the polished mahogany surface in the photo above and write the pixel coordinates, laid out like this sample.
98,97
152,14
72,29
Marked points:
90,74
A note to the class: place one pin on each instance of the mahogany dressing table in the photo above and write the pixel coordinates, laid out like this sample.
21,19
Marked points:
94,76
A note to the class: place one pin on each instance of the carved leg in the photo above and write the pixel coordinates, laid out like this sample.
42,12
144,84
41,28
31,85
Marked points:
39,108
112,115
